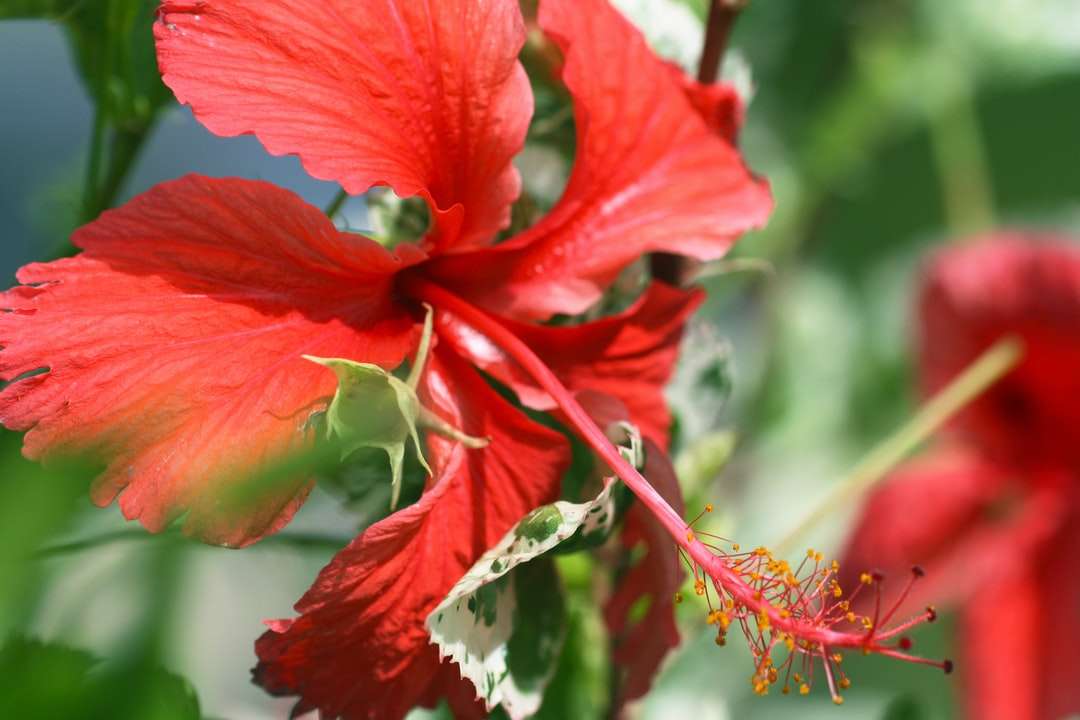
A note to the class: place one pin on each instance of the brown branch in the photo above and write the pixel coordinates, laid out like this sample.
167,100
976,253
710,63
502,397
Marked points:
722,16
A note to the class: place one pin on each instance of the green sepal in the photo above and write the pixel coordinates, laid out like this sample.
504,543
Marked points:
372,408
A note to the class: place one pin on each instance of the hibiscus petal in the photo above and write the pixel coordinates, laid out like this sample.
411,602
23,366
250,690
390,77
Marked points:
426,97
1000,658
1025,285
1059,636
719,104
641,646
650,175
919,511
359,648
173,345
957,515
629,356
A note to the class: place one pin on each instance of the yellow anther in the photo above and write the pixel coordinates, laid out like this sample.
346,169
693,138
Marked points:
837,591
797,677
773,675
786,690
723,619
866,578
699,587
785,613
810,553
835,566
851,616
818,557
837,658
708,507
789,643
689,536
867,624
721,640
729,604
735,547
804,689
837,700
845,683
845,606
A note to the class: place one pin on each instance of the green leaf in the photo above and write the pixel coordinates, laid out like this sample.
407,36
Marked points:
505,630
373,409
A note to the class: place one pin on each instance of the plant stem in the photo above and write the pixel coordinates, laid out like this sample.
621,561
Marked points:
124,150
337,203
956,141
91,195
302,541
722,17
986,370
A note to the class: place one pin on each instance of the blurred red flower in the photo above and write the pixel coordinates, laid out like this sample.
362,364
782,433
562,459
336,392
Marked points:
172,345
993,513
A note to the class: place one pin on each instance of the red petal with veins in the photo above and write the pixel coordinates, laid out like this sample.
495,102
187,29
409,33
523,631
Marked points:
1028,286
650,175
173,346
641,646
426,97
629,356
359,648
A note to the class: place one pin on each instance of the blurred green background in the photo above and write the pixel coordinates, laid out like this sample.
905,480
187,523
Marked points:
885,126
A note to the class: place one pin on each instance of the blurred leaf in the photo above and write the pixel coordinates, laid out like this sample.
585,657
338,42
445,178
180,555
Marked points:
905,707
46,681
1009,35
702,460
37,9
579,688
114,50
35,504
672,27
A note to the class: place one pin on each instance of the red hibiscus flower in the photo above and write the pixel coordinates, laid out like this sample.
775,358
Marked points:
994,512
174,345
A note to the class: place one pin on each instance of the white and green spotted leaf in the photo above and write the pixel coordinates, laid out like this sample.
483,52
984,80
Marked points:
504,640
